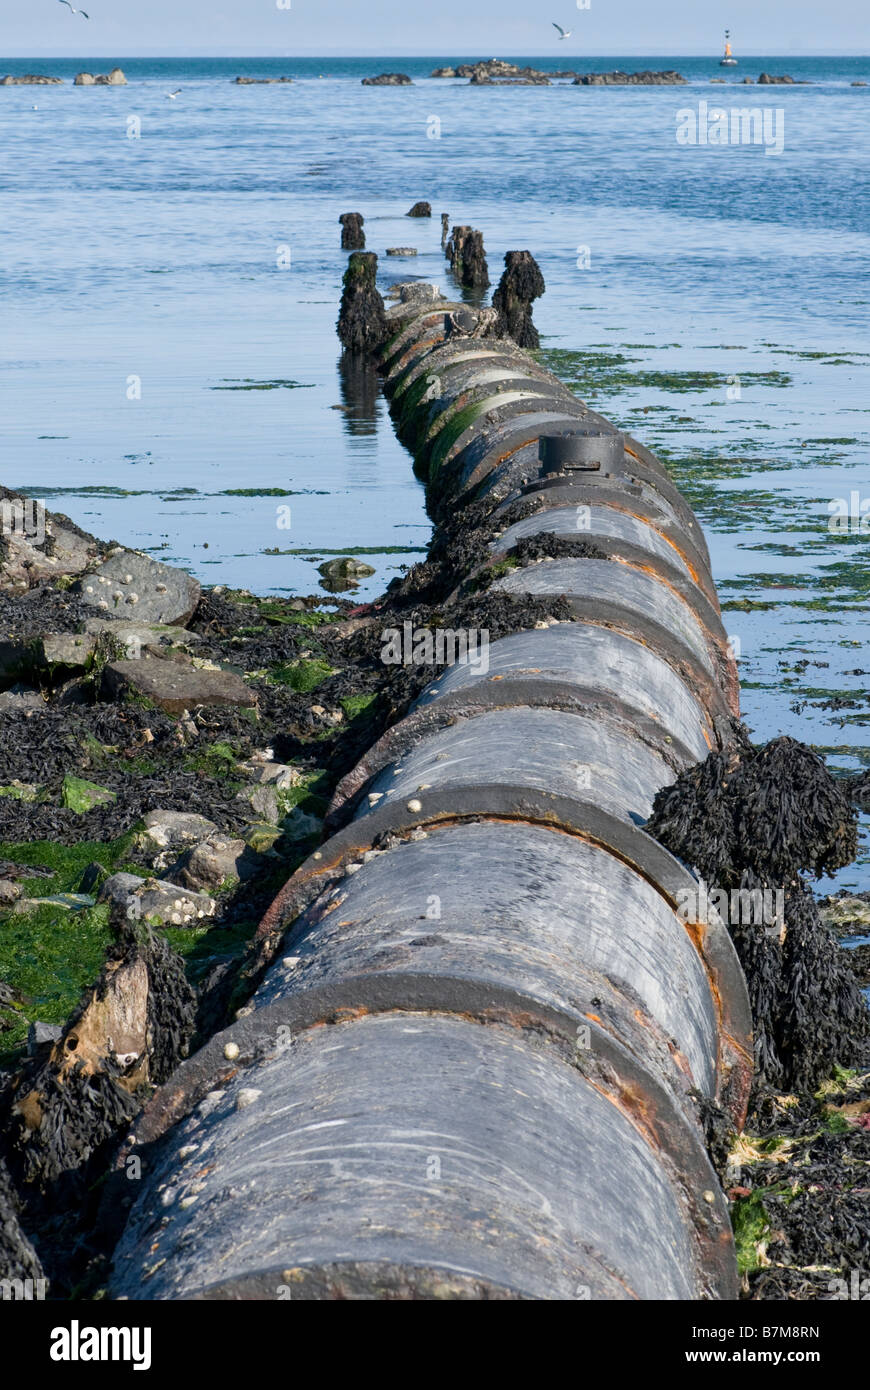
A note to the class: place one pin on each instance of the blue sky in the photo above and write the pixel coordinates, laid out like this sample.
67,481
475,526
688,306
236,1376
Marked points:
126,28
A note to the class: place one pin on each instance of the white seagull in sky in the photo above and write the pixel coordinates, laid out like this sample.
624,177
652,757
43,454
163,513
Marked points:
563,33
170,96
73,9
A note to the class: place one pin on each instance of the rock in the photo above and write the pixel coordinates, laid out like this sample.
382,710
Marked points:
80,796
136,638
176,688
167,832
38,545
749,81
765,80
132,586
444,72
42,1035
629,79
9,892
467,258
362,324
115,78
21,699
344,568
482,80
388,79
260,81
521,283
260,837
857,84
353,238
420,210
31,79
269,773
22,791
93,878
263,801
299,825
401,250
74,692
65,649
212,862
157,902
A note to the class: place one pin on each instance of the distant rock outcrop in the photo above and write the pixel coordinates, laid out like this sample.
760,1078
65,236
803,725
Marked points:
766,80
260,81
420,210
646,78
115,78
30,79
388,79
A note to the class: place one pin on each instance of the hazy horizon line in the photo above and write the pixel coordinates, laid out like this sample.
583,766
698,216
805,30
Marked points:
436,53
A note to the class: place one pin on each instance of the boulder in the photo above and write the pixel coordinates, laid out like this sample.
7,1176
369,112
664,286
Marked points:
444,72
65,649
39,546
261,81
21,699
167,832
420,210
176,688
138,638
212,862
9,892
401,250
30,79
388,79
115,78
133,587
646,78
766,80
42,1035
263,801
156,901
266,772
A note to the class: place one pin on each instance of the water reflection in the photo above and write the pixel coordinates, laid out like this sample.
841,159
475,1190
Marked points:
361,397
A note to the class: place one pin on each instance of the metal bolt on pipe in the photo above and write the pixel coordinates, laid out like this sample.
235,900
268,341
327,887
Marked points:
472,1067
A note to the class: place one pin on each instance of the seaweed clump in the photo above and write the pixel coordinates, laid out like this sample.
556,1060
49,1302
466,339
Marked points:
521,283
755,819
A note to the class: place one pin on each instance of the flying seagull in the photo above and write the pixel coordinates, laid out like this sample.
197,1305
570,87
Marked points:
73,9
170,96
563,33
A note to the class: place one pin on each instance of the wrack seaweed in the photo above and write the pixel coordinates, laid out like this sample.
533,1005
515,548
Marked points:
128,1033
758,818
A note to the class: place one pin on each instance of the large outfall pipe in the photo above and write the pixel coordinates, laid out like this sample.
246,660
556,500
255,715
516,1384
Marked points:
474,1071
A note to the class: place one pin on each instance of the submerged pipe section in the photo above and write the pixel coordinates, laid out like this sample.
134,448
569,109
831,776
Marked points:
475,1063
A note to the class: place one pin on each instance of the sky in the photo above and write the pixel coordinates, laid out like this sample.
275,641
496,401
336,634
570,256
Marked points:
486,28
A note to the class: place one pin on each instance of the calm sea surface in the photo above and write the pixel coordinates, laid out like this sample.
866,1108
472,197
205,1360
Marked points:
159,354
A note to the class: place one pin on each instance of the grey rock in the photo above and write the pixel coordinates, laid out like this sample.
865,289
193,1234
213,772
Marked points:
21,699
167,832
65,649
420,210
30,79
9,892
209,864
176,688
42,1035
263,801
388,79
138,589
401,250
157,901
